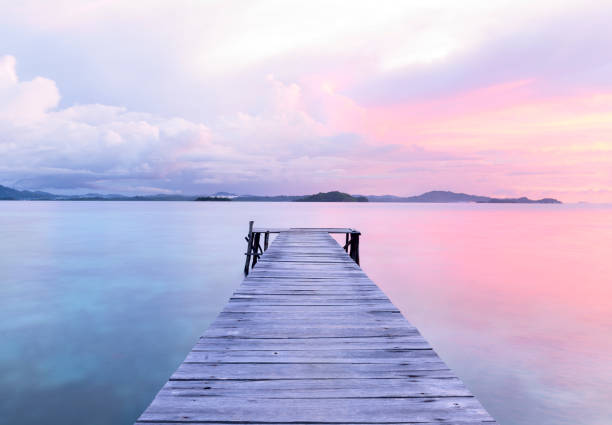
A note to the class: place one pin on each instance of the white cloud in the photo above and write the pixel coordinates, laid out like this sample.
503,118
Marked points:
280,128
38,138
23,103
104,147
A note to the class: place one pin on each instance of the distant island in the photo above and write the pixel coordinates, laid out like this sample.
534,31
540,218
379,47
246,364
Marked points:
436,196
212,198
9,194
442,196
522,200
334,196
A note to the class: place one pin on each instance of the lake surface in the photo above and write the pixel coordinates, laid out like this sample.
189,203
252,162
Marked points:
101,301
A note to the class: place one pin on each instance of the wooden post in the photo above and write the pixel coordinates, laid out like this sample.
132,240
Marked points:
266,239
354,245
346,243
249,248
256,248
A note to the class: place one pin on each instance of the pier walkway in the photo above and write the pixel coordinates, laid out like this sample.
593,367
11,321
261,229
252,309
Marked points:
308,338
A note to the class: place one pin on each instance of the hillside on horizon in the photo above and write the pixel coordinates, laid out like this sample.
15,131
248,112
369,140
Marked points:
434,196
334,196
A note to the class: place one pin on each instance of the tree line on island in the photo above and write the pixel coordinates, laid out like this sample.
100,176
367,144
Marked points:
436,196
334,196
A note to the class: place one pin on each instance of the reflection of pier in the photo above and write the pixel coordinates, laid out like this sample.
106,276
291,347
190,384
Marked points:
309,338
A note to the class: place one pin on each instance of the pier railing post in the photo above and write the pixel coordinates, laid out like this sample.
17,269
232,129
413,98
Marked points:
249,248
266,239
354,246
256,248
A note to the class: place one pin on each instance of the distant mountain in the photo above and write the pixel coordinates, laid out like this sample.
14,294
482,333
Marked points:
334,196
522,200
87,196
433,196
7,193
440,196
102,197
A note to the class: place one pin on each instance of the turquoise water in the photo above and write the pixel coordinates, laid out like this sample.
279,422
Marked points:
100,301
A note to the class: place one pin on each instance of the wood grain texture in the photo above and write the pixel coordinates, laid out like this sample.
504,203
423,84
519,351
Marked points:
308,338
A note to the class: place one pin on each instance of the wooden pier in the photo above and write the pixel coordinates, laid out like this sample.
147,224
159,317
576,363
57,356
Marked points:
308,338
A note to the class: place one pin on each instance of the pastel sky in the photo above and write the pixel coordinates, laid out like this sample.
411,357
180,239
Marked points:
500,98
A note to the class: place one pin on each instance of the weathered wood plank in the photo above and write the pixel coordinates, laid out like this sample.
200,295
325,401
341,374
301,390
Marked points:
312,344
381,410
295,320
372,343
361,315
318,356
463,422
426,384
310,309
330,332
405,369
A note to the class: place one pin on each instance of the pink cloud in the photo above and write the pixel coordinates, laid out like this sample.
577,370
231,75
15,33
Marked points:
511,136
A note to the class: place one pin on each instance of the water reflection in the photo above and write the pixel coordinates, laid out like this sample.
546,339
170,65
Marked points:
518,301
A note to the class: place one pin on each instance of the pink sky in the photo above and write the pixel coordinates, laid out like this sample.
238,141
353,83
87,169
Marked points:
492,98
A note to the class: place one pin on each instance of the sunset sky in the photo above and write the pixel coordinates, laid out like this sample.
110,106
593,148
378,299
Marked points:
500,98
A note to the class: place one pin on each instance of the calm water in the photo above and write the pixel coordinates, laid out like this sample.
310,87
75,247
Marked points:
99,302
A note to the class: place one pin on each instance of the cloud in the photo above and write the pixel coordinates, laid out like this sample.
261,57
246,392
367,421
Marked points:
489,97
563,52
23,103
75,147
110,148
